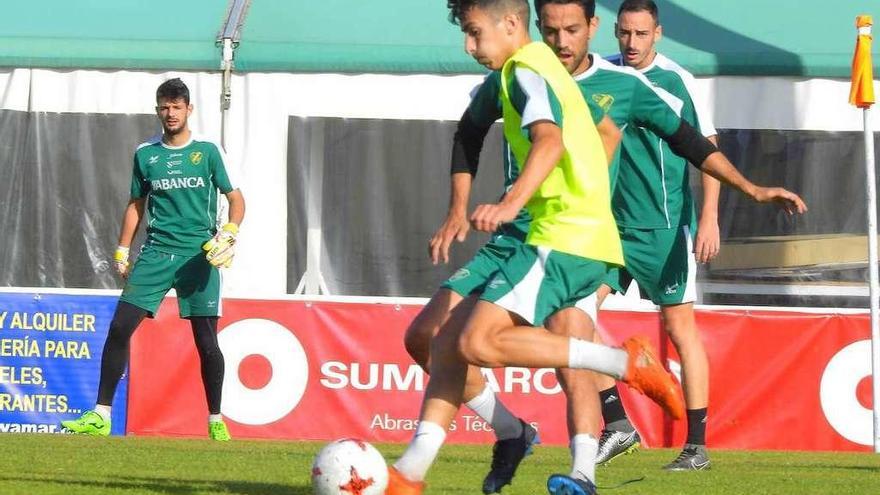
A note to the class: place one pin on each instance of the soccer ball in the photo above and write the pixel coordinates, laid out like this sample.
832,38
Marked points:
349,467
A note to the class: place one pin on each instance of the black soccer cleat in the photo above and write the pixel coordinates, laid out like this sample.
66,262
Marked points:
506,456
692,458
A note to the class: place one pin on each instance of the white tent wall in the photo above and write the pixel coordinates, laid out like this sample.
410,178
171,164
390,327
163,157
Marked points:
262,104
736,102
260,267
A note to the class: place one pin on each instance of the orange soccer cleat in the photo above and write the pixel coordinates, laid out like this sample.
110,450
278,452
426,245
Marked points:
398,485
645,373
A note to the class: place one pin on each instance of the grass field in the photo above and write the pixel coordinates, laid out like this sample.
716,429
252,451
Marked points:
60,464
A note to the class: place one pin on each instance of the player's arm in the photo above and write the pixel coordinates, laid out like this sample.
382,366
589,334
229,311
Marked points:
455,226
219,250
131,219
541,113
691,144
699,150
546,151
467,143
717,165
236,206
708,241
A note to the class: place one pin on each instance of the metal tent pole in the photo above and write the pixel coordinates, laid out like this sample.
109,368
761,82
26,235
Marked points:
312,281
228,39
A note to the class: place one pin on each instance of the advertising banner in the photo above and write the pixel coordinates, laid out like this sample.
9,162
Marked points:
50,360
325,370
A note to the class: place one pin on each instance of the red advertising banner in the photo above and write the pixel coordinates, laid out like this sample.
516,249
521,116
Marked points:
325,370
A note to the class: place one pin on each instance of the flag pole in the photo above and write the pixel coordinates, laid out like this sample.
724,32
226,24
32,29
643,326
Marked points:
875,279
862,96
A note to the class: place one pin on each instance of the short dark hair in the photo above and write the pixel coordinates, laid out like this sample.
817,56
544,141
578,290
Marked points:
457,8
589,6
173,89
640,6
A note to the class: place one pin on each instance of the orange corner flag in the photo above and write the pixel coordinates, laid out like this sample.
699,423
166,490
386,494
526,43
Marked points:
861,93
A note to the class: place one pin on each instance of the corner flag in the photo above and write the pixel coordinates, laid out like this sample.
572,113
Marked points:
861,93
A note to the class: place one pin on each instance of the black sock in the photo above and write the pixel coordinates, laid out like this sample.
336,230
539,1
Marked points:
114,358
696,426
205,334
612,410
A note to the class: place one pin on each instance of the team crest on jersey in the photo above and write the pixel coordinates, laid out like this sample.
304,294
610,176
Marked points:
604,101
195,157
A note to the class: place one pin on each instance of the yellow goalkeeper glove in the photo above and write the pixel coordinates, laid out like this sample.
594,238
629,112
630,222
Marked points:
120,261
219,250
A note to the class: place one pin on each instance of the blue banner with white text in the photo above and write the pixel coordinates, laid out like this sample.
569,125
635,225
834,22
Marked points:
50,360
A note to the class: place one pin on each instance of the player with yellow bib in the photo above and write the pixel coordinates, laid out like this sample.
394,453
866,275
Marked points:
571,244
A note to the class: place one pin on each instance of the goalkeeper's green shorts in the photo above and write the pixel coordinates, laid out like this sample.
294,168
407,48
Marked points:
155,272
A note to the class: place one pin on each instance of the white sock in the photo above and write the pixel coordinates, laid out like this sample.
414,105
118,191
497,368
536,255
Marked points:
421,452
213,418
585,355
584,448
487,406
103,411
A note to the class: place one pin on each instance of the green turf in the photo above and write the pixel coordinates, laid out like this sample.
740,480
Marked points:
60,464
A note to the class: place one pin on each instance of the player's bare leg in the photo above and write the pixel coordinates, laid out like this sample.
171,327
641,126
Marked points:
619,436
443,397
427,323
514,437
493,337
583,408
477,395
680,323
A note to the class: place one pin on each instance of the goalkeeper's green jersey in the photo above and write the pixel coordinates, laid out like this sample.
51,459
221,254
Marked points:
652,188
629,99
180,184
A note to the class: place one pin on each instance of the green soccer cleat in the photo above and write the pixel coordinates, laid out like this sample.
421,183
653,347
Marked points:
90,423
217,431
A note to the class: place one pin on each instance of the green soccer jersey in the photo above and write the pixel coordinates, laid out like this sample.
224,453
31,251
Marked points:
636,106
652,187
180,184
485,108
632,102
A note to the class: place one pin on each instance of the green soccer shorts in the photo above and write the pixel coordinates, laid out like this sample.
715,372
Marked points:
535,282
155,273
476,273
662,263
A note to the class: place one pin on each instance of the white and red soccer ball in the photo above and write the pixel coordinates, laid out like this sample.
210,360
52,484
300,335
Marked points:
349,467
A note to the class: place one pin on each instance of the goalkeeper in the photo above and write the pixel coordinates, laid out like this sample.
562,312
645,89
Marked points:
176,177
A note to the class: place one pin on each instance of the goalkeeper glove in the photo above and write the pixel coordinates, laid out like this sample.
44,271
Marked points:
219,249
120,261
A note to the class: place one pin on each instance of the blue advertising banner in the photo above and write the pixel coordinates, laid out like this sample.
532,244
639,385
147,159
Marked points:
50,360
